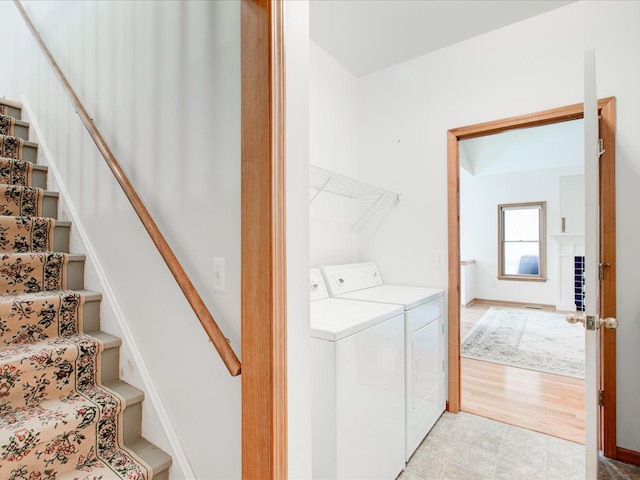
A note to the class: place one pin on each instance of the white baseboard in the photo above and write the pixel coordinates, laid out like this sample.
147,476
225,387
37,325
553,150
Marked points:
180,460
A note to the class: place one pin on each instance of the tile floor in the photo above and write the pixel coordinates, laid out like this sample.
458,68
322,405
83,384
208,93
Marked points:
468,447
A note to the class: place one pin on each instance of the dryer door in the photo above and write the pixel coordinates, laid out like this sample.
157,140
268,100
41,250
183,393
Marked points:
427,368
425,353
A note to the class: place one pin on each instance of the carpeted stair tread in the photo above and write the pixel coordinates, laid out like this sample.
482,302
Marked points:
34,370
11,108
18,148
61,429
18,200
108,340
13,127
11,147
47,434
157,459
23,172
36,272
64,412
26,234
7,125
33,234
30,317
15,172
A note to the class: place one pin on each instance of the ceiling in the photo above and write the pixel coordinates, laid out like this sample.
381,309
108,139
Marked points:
525,149
368,35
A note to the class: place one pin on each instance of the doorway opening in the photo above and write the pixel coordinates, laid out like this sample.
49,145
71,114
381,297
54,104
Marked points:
606,108
521,238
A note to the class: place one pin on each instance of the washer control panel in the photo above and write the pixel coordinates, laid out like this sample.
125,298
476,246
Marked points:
317,287
348,278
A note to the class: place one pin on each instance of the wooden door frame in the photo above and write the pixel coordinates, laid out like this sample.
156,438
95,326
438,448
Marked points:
263,271
607,114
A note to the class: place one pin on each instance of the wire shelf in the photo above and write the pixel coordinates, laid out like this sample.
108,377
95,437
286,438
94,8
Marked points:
323,180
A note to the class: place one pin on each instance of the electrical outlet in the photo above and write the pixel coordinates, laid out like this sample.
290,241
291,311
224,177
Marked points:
438,256
219,274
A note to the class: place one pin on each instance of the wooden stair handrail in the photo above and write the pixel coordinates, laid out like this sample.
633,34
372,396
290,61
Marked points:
193,297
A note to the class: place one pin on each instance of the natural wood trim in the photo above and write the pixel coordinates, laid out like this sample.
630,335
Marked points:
606,107
608,284
629,456
193,297
453,206
545,117
264,389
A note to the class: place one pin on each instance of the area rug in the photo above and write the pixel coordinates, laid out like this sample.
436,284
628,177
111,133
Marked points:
532,339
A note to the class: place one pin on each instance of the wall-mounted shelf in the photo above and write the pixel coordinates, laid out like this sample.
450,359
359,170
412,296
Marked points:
323,180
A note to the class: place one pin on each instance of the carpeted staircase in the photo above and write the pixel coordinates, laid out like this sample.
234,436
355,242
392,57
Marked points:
64,414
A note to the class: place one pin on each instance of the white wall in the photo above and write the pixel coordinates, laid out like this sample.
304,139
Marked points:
297,153
479,199
162,82
406,110
333,145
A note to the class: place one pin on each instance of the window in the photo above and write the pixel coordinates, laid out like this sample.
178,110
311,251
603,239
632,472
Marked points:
521,241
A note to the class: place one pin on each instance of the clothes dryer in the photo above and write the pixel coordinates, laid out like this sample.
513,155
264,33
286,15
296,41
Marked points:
425,340
357,385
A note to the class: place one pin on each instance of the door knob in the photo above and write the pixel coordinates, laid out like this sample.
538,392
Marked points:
591,323
575,317
608,322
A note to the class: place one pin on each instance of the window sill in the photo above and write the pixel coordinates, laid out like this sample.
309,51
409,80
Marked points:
522,278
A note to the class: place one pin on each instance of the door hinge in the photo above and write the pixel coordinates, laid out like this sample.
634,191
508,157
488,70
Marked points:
601,269
600,147
601,398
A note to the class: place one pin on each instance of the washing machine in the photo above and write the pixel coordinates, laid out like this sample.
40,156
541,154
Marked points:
425,340
357,368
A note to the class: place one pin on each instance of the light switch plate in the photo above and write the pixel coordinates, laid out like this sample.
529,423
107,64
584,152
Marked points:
219,274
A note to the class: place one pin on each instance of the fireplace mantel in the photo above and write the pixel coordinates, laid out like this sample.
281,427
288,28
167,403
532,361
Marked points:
570,245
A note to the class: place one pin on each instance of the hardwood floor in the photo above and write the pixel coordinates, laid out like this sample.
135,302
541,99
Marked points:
543,402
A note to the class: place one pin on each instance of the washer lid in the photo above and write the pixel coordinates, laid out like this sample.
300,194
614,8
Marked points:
334,319
409,297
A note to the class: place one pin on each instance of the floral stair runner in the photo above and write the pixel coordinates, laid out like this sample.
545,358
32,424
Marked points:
57,421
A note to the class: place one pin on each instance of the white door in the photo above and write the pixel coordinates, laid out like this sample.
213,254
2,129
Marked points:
592,258
590,318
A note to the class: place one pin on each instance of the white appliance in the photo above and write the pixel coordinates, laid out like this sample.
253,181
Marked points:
357,367
426,387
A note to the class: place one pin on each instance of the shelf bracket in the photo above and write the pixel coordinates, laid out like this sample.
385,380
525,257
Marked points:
319,190
354,227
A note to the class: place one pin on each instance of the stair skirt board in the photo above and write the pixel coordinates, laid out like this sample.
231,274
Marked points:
57,419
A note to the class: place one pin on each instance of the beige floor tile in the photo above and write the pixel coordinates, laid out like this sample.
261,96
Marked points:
533,456
509,469
483,439
474,458
428,467
449,428
455,472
